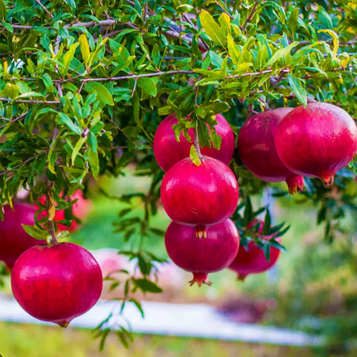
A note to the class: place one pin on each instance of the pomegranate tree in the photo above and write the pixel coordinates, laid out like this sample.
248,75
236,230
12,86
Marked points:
251,259
256,149
13,239
56,284
199,195
205,255
168,151
317,141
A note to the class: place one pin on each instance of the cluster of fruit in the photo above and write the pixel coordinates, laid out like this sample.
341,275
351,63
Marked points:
284,144
55,283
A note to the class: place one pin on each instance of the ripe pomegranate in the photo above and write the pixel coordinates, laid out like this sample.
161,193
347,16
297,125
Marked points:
168,151
253,261
13,239
256,149
199,195
80,209
202,256
317,141
56,283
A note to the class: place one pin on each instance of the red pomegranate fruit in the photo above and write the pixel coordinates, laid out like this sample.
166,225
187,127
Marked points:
202,256
199,195
58,283
256,149
80,209
317,141
13,239
168,151
253,260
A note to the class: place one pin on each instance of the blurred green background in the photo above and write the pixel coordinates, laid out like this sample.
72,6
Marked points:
313,289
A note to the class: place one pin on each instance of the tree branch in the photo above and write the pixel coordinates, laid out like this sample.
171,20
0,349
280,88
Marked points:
44,8
250,16
30,101
13,120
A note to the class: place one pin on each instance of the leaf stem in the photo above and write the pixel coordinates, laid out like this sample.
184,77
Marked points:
196,143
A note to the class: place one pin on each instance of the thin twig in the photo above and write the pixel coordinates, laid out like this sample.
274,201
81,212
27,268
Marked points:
250,16
13,120
23,163
44,8
30,101
231,17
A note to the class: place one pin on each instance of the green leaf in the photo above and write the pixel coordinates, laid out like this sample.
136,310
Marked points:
84,47
146,285
335,40
281,53
78,147
35,232
3,10
103,94
297,89
293,21
212,29
68,57
64,119
233,50
194,156
92,153
148,85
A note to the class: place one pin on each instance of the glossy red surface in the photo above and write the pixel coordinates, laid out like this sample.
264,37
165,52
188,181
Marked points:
168,151
57,283
256,149
317,141
199,195
205,255
13,239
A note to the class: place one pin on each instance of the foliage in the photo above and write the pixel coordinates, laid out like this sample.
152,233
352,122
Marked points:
84,83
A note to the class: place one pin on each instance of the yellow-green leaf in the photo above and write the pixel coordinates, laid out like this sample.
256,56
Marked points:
84,46
194,156
213,30
233,50
225,22
336,43
281,53
68,57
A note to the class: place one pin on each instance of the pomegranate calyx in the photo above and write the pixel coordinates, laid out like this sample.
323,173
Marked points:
64,324
241,277
295,184
328,180
201,232
200,279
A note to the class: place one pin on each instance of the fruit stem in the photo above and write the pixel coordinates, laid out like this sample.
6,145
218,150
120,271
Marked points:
196,143
51,225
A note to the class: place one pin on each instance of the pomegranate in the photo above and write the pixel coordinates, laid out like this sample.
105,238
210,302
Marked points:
80,209
257,149
317,141
202,256
253,260
199,195
168,151
13,239
56,283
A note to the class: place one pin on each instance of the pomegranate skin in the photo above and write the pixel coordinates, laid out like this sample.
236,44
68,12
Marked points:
317,141
253,261
56,283
199,195
168,151
205,255
256,149
13,239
